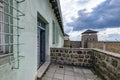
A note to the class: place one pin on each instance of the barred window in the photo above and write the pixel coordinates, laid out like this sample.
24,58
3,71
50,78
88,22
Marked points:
2,50
6,30
9,31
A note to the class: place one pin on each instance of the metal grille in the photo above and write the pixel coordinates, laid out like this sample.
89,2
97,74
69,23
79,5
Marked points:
1,27
9,28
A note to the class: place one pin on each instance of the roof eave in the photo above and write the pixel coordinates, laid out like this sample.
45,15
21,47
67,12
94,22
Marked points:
57,11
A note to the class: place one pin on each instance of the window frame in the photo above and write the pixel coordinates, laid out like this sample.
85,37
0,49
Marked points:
54,33
2,36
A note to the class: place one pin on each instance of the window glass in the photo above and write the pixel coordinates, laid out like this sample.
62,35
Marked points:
1,27
54,33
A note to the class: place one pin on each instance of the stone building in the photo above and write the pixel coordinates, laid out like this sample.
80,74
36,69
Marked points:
89,38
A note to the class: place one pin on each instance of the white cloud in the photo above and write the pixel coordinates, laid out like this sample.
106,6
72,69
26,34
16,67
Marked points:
70,8
92,4
68,29
104,34
75,35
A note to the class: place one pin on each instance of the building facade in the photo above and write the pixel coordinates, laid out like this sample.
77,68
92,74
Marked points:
89,38
28,28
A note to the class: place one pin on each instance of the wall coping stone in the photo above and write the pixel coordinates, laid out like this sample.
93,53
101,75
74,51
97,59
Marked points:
72,48
117,55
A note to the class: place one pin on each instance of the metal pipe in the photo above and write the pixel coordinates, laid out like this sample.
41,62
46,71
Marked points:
14,8
6,44
9,31
10,54
8,34
11,25
9,15
17,38
16,60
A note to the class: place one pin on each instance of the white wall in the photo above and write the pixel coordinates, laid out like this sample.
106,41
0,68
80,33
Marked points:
28,36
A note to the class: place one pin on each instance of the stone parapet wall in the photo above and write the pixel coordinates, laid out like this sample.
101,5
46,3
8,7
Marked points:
72,56
108,46
75,44
67,43
107,64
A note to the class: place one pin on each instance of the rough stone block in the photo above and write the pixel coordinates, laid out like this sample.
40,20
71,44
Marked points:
79,52
86,56
81,56
89,52
114,62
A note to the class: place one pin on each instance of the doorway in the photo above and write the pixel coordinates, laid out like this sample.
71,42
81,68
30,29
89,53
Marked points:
41,43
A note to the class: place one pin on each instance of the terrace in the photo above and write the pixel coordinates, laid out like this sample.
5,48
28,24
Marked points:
65,72
82,64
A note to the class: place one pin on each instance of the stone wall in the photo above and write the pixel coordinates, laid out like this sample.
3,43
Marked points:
77,57
66,43
107,64
108,46
72,44
75,44
99,45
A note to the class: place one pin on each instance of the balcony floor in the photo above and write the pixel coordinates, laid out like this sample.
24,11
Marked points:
55,72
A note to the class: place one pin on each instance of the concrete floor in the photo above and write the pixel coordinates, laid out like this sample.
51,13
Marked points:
68,73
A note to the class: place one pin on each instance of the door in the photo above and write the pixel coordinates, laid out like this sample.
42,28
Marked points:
40,44
38,47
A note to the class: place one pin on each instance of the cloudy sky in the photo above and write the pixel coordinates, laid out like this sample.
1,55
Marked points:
100,15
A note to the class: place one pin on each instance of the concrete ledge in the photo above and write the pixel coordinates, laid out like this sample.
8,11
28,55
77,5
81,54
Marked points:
42,69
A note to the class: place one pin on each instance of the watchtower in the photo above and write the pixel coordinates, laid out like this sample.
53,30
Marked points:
89,38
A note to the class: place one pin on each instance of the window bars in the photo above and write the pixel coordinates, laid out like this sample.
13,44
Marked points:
1,27
9,30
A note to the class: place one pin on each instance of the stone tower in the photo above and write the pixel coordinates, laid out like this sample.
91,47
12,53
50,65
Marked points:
89,38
